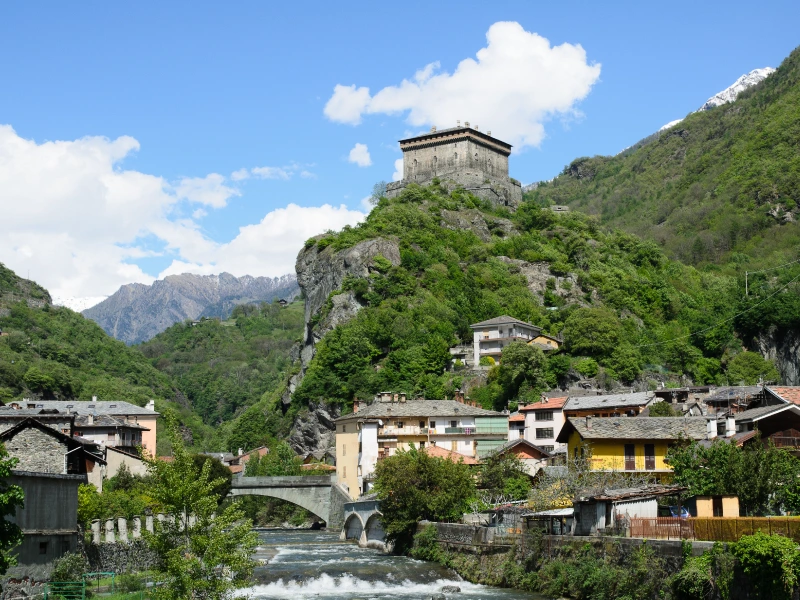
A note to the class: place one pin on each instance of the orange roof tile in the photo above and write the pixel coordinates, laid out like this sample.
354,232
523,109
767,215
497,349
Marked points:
450,455
516,418
790,394
549,404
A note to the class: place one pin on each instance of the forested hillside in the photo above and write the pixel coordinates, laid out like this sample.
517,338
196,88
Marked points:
622,306
721,187
222,368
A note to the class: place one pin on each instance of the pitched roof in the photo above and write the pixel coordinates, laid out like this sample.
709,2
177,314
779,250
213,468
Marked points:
502,321
787,393
87,446
439,452
635,428
91,407
420,408
549,404
516,418
755,414
520,442
82,421
738,392
608,401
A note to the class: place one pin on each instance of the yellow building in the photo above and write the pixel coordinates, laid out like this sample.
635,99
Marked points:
635,444
546,342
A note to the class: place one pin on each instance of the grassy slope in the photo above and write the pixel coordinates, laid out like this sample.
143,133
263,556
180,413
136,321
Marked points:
450,278
704,188
222,368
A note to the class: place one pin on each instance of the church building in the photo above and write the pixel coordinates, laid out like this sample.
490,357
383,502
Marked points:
460,156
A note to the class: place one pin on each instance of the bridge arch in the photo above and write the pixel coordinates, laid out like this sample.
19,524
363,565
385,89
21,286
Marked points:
373,530
353,527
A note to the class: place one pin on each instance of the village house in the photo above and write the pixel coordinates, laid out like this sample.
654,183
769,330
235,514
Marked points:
781,394
132,422
629,444
392,423
491,336
516,426
543,423
777,423
734,398
530,455
461,156
610,405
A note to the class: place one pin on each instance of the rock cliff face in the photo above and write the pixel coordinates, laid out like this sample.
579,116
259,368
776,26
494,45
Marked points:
14,288
137,312
783,347
320,272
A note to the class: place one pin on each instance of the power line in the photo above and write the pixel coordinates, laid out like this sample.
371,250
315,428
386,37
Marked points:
748,273
756,305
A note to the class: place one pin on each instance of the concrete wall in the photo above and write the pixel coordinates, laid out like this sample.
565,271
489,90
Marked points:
347,457
116,459
532,423
37,451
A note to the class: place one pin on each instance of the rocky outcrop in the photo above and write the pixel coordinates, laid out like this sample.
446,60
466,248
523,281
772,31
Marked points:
476,222
783,347
321,272
137,312
537,274
314,429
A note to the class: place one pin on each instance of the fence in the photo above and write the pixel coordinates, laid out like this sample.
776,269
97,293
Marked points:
713,529
65,590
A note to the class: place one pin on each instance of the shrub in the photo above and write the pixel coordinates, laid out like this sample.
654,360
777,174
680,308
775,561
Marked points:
69,567
771,562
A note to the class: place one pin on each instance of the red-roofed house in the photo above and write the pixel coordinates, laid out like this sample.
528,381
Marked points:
785,393
516,426
440,452
543,423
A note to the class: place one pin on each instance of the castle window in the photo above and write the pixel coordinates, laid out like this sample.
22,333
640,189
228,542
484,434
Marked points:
455,157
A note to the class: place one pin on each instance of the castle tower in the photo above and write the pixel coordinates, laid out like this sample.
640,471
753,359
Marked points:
460,156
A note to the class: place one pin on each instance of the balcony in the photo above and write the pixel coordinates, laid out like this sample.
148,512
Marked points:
473,431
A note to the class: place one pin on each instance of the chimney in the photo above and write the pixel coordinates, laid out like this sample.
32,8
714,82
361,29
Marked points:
395,398
466,123
489,132
458,123
94,398
730,426
241,451
711,429
433,128
151,405
386,396
402,397
459,396
356,405
90,419
588,422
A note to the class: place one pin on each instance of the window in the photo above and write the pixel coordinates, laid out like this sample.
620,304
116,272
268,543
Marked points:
650,457
399,424
544,433
344,470
453,423
344,449
42,547
544,415
433,424
111,436
422,444
344,428
630,457
547,448
422,424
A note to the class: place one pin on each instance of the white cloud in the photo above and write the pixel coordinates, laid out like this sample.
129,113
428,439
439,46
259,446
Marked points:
360,155
515,84
366,204
271,172
285,173
347,104
398,170
271,246
240,175
210,190
75,218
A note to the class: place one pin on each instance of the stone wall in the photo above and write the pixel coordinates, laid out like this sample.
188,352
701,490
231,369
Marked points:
37,451
129,557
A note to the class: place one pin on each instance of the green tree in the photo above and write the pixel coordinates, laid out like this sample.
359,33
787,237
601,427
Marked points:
664,409
592,331
413,486
217,472
771,563
748,368
504,475
280,460
209,555
522,372
11,498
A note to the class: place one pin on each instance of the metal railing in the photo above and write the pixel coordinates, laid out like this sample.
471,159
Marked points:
713,529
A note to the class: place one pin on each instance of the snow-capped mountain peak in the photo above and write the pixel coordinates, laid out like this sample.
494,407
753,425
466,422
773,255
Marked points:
745,81
729,94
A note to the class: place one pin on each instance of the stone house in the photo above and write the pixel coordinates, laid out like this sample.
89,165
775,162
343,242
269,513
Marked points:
463,156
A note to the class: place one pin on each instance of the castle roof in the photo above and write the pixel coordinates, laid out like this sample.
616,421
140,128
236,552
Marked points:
453,134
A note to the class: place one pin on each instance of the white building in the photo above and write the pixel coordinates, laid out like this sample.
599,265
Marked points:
543,423
490,337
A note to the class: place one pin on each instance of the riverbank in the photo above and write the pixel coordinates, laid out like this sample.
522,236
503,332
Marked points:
603,568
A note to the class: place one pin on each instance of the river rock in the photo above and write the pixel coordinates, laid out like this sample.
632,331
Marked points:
450,589
438,597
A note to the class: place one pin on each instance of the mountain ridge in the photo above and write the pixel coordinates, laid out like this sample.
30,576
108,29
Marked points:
137,312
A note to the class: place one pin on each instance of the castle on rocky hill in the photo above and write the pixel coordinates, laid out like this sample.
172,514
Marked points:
460,156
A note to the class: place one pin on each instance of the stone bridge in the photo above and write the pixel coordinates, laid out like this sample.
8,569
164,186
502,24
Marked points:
318,494
362,522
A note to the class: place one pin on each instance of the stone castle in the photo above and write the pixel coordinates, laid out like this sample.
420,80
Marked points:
460,156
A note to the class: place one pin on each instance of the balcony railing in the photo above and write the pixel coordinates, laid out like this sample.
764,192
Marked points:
785,442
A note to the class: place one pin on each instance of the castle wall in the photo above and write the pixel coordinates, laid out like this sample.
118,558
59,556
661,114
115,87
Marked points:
462,159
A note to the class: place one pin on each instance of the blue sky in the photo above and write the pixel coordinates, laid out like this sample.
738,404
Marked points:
188,94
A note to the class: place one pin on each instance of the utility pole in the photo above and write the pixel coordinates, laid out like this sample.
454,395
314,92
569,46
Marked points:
746,291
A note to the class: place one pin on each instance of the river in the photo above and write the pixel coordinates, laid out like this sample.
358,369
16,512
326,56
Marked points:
312,564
